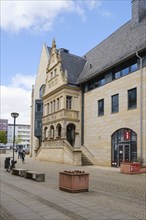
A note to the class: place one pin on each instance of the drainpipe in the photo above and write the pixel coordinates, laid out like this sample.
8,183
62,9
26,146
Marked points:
82,118
141,110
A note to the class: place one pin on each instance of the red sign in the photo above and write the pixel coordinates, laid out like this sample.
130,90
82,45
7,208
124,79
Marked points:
127,135
135,167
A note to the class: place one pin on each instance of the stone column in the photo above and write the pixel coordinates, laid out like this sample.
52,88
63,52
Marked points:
63,133
55,133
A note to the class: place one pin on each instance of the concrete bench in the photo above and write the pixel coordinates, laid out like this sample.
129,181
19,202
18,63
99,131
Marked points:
18,172
39,177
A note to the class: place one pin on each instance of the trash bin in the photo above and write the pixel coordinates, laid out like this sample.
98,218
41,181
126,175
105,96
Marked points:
7,162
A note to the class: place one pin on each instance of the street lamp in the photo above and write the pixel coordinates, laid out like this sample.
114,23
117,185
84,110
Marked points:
14,115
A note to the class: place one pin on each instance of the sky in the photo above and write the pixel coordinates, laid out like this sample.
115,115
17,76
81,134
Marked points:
77,25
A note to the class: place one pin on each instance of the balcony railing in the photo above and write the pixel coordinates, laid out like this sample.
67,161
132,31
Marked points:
62,114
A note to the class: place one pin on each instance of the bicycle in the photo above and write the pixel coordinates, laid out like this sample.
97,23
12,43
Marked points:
9,164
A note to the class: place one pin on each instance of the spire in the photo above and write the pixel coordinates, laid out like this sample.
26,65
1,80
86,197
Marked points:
53,43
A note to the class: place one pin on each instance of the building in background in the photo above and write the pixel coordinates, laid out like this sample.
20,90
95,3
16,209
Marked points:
4,127
92,109
22,135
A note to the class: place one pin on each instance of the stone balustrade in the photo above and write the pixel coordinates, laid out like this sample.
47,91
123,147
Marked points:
62,114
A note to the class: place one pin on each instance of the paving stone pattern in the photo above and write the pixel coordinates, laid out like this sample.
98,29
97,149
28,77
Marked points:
111,195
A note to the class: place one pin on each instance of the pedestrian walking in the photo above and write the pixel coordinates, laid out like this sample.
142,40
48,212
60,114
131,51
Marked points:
19,153
23,156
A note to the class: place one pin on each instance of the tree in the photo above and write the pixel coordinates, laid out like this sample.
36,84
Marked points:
3,137
18,139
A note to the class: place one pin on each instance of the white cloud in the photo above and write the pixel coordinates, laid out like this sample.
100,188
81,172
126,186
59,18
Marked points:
17,98
23,81
40,15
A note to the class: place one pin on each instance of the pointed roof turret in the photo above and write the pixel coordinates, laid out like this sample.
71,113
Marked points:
53,43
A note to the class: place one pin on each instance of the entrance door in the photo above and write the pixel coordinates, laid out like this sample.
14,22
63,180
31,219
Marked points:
71,134
123,153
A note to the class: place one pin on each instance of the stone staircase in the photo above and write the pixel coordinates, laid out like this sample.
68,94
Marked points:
85,160
79,156
87,157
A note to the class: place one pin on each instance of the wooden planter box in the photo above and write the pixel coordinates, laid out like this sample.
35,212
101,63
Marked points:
130,168
74,181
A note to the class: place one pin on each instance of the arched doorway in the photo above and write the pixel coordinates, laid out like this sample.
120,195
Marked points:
45,132
124,146
71,134
59,130
51,131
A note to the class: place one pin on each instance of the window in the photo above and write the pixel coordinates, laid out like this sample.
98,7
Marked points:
38,107
55,72
115,103
58,104
100,107
134,67
69,102
132,98
116,75
48,108
54,105
125,71
51,107
102,82
38,124
52,131
42,90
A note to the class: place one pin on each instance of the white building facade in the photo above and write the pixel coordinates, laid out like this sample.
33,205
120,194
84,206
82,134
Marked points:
22,134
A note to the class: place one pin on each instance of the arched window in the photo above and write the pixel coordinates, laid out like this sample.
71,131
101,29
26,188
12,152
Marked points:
42,90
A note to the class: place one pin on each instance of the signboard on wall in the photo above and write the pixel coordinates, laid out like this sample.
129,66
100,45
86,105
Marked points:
127,135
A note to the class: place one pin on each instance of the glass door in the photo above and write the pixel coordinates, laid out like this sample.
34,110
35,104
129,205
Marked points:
127,152
123,153
120,154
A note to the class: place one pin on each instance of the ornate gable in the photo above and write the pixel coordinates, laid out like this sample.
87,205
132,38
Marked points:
54,57
56,76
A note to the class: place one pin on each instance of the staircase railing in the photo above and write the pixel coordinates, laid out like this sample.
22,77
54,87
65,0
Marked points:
88,154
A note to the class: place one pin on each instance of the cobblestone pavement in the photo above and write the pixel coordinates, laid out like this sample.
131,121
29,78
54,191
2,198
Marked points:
111,195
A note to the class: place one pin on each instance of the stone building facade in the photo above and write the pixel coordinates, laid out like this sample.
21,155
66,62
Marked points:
94,107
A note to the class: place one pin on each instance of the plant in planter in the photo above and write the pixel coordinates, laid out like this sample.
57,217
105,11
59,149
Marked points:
74,181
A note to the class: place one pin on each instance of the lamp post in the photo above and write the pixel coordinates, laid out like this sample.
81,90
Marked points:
14,115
